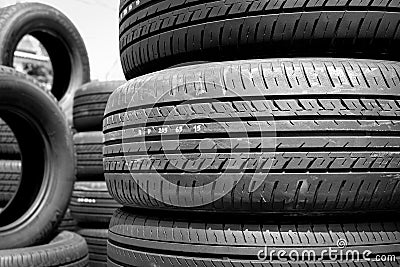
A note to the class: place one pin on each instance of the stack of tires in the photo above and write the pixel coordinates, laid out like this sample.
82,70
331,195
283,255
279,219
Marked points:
36,180
91,204
255,160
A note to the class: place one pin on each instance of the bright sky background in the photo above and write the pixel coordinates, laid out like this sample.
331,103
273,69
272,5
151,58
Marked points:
97,22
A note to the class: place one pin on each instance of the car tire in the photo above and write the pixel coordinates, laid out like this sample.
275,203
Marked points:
59,37
91,204
89,104
157,35
137,239
258,136
67,249
48,162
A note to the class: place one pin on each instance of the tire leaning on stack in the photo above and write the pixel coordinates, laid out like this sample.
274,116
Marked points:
59,37
91,204
46,147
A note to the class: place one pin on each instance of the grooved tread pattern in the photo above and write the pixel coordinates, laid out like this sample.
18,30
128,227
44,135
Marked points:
155,35
90,102
92,203
68,223
10,172
315,136
8,142
88,148
146,240
97,244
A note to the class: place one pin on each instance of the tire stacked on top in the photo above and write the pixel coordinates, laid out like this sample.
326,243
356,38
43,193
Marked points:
37,161
91,204
223,164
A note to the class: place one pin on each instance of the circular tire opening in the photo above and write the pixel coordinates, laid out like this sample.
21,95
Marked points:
60,45
33,148
48,163
32,58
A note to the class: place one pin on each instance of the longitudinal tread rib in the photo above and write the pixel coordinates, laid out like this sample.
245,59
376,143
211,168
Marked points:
158,34
144,240
302,135
91,203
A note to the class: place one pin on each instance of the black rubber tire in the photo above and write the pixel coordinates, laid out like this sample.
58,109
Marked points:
314,136
68,223
10,173
155,35
91,204
67,249
96,240
89,154
149,240
48,163
8,144
58,35
89,104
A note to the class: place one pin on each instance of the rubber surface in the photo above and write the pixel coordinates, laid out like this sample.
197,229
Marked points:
67,249
8,143
48,162
148,240
68,223
155,35
308,136
59,37
97,244
10,173
90,102
88,148
92,204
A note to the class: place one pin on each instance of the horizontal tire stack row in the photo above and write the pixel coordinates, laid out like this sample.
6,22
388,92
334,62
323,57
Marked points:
91,204
215,160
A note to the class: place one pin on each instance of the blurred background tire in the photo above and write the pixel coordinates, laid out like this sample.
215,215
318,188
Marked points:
48,163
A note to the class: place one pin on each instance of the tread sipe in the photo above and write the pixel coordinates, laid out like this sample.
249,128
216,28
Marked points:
144,240
155,35
288,136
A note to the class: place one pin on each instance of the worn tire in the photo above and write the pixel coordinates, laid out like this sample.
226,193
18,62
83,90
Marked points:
48,165
314,136
149,240
96,240
67,249
58,35
89,104
10,173
155,35
91,204
89,156
8,144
